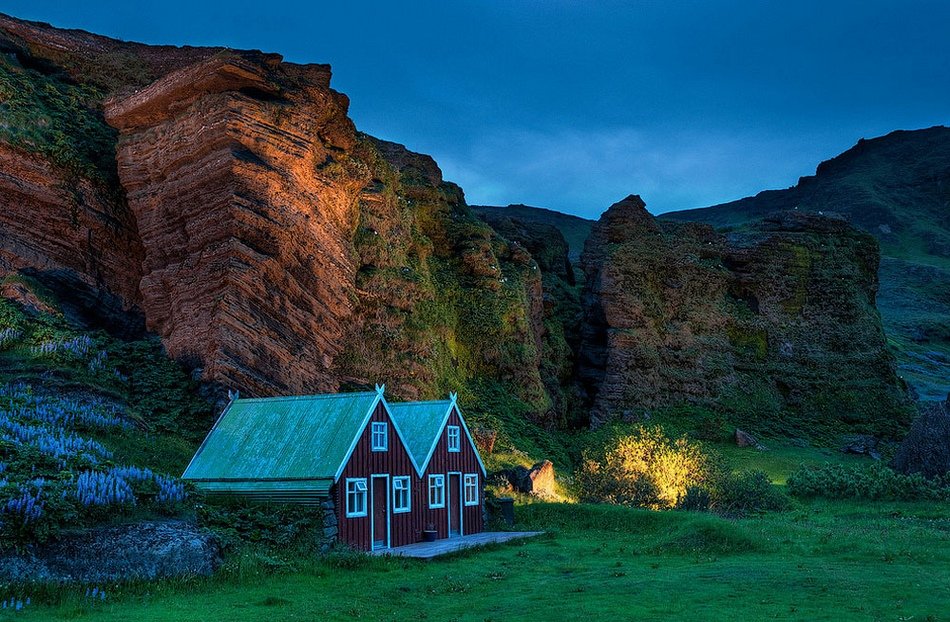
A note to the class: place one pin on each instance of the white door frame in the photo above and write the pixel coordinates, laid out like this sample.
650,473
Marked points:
461,507
372,513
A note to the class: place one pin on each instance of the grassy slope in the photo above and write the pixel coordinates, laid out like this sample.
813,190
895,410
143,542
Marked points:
824,561
574,229
819,561
165,418
896,188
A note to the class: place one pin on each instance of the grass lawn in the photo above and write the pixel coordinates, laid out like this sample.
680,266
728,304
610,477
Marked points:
821,561
780,459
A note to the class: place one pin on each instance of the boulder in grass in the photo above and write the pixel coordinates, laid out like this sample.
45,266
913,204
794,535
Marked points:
926,449
862,445
744,439
538,480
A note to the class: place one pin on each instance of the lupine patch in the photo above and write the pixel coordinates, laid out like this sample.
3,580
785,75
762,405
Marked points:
9,336
17,604
38,429
77,347
54,442
117,487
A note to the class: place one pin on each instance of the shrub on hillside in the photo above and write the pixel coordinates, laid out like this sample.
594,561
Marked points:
745,492
696,499
271,525
644,469
876,482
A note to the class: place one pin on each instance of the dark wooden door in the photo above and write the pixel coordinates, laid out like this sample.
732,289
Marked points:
453,504
380,512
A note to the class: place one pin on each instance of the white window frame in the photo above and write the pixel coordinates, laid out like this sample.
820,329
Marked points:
402,485
380,433
356,487
470,483
437,484
454,434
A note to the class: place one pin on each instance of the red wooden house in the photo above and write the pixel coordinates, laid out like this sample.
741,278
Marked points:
382,473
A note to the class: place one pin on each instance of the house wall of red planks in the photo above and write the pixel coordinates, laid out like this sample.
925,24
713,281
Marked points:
406,528
444,462
364,462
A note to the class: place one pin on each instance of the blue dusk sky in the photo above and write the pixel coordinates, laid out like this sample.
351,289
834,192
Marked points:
574,105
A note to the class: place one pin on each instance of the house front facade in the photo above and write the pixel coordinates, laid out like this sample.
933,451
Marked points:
451,482
383,474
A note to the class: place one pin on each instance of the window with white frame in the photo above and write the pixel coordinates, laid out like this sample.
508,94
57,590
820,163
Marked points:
436,491
455,438
356,497
471,489
401,497
380,436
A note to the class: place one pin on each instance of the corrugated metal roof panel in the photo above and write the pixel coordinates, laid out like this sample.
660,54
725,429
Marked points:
284,438
420,424
275,490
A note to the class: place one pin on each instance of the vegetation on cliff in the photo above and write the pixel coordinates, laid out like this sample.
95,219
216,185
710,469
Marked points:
92,428
896,188
774,327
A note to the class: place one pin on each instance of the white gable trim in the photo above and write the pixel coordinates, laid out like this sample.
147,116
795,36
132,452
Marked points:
362,427
356,438
468,434
453,405
402,439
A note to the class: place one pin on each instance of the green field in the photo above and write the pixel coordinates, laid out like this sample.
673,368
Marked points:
821,561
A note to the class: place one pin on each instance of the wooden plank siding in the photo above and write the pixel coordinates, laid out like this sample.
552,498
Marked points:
444,462
406,528
364,462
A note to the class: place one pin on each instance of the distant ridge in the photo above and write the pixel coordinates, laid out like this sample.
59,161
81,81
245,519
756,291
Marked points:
574,228
896,187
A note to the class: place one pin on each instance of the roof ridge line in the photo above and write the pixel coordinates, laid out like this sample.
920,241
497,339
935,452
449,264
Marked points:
318,396
446,401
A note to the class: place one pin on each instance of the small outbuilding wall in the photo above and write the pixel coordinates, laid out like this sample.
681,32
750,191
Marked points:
363,464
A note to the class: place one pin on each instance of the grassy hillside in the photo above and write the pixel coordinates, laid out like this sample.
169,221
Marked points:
896,187
92,428
574,228
820,560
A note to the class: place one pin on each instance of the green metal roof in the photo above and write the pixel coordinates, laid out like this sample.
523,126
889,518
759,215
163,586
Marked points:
420,424
283,438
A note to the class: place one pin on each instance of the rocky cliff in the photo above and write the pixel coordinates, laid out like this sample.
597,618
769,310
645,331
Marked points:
897,188
775,325
235,170
225,201
226,198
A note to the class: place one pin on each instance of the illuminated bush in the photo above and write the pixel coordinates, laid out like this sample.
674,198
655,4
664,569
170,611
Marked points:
646,469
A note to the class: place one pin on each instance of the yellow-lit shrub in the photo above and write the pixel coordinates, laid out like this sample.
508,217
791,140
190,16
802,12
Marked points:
645,468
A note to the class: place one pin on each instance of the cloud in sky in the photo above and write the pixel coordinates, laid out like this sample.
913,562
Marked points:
593,169
573,105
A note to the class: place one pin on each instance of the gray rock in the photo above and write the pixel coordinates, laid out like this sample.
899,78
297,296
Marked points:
861,444
926,449
144,551
744,439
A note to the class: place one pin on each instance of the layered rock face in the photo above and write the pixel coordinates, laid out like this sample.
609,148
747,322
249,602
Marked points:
233,169
897,188
775,319
269,244
227,198
61,227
